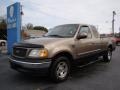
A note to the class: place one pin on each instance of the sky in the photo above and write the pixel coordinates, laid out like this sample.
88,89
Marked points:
50,13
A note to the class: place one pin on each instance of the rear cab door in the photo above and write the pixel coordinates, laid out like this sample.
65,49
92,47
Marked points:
100,43
96,38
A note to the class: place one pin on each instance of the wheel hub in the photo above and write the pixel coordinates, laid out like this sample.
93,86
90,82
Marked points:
109,55
62,69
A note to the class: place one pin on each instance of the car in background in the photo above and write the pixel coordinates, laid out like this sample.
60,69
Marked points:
117,39
3,46
2,42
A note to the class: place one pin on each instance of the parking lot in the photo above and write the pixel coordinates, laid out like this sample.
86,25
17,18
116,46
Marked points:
97,76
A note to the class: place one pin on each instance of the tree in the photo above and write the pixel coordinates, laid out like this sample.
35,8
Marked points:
3,25
40,28
29,26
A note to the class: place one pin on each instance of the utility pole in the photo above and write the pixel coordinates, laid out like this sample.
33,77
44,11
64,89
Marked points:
119,31
21,13
113,20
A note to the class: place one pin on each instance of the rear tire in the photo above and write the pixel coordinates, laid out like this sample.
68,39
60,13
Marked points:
60,69
108,55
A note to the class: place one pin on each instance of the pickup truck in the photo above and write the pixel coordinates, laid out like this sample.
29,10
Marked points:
58,50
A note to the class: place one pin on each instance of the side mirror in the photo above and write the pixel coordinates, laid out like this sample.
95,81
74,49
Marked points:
82,36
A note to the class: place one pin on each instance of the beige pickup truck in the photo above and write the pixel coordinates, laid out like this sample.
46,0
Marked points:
61,48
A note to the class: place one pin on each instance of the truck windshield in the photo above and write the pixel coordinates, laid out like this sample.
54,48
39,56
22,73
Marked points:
62,31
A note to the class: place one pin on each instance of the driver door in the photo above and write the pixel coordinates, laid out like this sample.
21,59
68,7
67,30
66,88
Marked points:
86,45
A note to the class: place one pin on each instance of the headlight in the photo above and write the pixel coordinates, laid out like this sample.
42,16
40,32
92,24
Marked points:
36,53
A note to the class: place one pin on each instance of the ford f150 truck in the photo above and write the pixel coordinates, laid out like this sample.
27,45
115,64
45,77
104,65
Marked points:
59,49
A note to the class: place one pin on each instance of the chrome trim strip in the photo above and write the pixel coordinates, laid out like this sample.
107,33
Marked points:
28,62
89,52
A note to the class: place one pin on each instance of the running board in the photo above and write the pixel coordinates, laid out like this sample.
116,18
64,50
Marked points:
90,63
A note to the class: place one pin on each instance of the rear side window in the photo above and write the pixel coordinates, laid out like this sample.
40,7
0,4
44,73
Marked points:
85,29
96,34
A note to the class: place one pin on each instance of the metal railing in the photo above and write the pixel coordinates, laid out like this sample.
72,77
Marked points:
3,35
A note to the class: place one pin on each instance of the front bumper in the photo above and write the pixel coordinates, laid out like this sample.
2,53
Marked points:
33,67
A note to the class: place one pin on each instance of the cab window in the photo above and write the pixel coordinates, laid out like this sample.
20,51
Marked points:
85,29
96,34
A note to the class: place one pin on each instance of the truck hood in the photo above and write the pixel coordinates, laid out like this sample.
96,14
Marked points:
43,40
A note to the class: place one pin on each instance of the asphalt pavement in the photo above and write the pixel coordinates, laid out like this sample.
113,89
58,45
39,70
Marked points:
97,76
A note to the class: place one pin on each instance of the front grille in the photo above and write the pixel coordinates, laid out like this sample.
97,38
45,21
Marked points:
19,52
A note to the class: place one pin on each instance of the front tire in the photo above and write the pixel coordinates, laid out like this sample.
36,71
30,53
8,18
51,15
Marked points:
108,55
60,69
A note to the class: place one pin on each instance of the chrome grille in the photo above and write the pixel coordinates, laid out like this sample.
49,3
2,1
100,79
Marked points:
19,52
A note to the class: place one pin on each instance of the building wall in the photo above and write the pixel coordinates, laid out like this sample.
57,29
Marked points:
26,34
